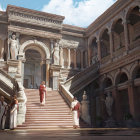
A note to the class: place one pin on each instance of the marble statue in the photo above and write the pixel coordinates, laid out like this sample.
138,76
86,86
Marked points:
109,103
1,49
85,115
13,47
94,59
56,54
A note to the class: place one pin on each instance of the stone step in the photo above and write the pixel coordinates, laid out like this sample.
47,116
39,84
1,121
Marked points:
49,119
54,114
44,127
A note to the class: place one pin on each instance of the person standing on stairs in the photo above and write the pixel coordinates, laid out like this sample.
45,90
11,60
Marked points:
3,112
13,112
75,108
42,93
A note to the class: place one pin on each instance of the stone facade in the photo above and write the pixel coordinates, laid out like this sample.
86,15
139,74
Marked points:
54,52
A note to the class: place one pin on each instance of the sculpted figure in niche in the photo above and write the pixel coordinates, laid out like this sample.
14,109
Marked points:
109,103
56,54
1,48
13,46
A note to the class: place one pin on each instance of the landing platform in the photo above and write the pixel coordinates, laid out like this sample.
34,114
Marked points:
73,134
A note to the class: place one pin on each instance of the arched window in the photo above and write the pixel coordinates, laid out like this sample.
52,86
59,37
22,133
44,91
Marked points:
118,34
105,45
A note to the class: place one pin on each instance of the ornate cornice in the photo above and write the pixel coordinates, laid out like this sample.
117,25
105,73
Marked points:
28,16
68,43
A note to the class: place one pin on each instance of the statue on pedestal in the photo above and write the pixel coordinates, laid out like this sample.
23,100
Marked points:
85,109
56,53
110,122
1,49
13,46
109,102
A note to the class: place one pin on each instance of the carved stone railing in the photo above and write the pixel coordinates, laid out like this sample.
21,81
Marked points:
8,85
78,82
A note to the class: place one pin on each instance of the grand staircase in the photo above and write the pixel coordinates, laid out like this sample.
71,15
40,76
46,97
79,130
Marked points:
55,114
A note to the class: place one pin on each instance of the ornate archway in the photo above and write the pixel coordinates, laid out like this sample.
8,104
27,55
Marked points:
40,46
36,67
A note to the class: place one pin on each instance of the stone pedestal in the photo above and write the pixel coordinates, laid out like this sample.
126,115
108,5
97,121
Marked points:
21,101
14,70
12,67
110,123
55,71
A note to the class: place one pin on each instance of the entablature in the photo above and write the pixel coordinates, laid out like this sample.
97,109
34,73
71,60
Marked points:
23,15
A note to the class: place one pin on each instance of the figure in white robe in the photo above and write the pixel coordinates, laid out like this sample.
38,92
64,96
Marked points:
3,112
75,107
13,114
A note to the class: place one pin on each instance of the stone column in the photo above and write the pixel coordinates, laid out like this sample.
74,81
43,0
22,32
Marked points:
47,74
131,97
117,104
86,59
126,35
99,49
61,58
52,47
75,61
81,59
88,49
69,59
111,44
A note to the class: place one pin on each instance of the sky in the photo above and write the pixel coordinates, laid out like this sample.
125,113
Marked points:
77,12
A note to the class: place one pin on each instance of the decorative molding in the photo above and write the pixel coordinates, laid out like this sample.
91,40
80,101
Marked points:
40,44
34,19
68,43
29,31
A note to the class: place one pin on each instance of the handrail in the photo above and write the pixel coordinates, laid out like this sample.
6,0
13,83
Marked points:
10,88
87,75
93,68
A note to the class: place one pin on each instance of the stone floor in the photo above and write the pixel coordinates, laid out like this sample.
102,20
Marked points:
70,134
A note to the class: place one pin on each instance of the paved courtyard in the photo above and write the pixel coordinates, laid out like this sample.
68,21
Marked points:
70,134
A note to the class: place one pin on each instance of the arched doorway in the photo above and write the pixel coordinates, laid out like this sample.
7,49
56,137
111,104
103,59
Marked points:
32,69
122,95
36,66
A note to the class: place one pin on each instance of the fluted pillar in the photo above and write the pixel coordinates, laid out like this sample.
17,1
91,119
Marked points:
69,59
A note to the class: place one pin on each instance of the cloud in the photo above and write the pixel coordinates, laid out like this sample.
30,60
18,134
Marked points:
1,9
81,13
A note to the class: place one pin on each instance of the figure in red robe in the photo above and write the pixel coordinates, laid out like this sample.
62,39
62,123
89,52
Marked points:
42,93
